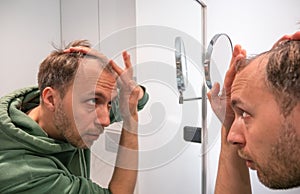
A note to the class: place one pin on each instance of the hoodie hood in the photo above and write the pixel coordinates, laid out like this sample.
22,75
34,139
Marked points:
19,131
32,162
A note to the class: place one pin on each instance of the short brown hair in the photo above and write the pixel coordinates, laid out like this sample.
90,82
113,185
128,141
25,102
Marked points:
283,74
58,70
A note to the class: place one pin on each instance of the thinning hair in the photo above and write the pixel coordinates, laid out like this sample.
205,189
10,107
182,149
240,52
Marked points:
58,70
282,73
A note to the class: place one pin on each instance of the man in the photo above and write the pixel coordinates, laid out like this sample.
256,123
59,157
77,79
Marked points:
45,132
260,111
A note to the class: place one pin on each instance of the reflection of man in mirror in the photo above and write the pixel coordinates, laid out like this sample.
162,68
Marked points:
47,131
260,111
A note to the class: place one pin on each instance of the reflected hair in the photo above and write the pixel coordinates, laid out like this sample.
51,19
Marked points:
58,70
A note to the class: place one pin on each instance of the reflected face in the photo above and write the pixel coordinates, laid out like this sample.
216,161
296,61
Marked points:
84,111
268,142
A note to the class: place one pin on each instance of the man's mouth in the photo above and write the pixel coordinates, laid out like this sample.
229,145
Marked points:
249,163
93,136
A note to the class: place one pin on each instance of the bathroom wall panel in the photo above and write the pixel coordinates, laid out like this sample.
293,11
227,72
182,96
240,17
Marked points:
28,29
80,20
168,164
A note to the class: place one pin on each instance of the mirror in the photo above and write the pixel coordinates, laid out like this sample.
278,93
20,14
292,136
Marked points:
218,54
181,65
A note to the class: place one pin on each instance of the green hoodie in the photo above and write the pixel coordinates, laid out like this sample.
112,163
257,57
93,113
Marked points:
31,162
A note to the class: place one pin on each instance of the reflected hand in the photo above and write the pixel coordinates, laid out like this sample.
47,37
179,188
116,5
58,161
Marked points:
88,51
221,104
129,92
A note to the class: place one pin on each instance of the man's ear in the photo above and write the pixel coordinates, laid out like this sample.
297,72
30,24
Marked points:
50,98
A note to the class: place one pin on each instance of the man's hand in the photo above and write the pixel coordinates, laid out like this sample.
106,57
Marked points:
130,93
125,174
295,36
233,174
221,104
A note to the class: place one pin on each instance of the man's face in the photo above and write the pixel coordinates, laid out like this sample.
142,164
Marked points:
84,111
268,142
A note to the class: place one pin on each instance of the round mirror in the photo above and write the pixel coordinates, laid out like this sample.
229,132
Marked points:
217,57
181,65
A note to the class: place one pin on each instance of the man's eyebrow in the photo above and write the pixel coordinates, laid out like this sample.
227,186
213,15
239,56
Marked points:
235,102
99,94
96,94
102,96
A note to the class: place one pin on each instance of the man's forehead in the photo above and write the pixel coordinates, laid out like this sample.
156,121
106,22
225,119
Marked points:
107,90
113,92
251,77
92,79
255,67
94,64
93,67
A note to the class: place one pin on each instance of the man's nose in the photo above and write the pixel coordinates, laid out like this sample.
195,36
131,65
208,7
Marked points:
103,116
236,133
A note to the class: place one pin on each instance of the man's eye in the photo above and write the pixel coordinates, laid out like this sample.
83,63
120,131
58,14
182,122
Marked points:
91,101
245,115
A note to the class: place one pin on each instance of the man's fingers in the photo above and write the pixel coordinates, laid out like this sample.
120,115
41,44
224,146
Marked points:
284,38
236,51
244,53
115,67
213,93
127,61
215,90
238,58
128,65
125,76
79,49
88,51
296,36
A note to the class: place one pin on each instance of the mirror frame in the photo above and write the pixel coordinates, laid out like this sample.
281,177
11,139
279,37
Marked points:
207,60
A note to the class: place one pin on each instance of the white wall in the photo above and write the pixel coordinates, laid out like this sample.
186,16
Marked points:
256,25
28,28
79,20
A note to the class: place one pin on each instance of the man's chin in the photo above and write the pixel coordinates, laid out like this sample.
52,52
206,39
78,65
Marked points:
87,144
84,144
276,184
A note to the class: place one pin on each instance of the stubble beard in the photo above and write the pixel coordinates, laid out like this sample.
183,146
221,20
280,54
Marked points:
283,168
64,125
